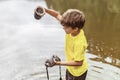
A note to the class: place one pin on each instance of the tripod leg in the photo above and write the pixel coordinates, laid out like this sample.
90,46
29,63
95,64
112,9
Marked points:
60,73
47,73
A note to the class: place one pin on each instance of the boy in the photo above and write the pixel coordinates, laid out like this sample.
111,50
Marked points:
73,21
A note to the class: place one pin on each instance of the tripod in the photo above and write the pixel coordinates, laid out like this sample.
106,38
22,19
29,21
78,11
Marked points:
59,73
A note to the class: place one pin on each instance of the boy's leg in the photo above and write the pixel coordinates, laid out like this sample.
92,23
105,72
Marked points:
68,75
71,77
82,77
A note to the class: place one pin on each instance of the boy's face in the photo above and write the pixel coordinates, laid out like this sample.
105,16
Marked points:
68,30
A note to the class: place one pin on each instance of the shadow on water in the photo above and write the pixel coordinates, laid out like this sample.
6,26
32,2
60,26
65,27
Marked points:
102,26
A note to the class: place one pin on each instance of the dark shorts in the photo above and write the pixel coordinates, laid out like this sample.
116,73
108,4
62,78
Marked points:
69,76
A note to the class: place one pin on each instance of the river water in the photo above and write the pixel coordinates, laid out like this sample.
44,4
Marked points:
26,43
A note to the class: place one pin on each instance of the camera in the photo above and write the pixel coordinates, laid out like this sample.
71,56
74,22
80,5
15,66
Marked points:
39,13
51,62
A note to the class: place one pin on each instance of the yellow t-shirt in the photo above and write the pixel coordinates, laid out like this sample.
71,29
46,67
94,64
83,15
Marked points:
75,48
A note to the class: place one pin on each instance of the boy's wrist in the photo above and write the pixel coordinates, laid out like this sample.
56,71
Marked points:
58,62
61,63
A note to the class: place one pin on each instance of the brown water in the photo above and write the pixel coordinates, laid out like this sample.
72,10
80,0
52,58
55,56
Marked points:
102,26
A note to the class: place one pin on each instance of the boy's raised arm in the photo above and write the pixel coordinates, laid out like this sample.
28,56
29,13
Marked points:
53,13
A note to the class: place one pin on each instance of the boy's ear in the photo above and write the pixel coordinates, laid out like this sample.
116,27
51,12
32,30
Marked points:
76,29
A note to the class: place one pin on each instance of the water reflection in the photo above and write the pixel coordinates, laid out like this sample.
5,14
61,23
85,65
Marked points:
102,26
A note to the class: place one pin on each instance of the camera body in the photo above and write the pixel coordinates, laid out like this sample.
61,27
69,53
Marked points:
51,62
39,13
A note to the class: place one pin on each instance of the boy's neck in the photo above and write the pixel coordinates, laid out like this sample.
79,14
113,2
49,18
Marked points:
75,33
